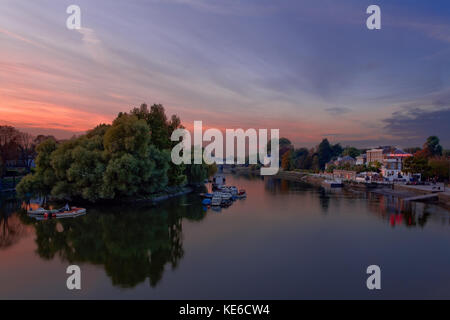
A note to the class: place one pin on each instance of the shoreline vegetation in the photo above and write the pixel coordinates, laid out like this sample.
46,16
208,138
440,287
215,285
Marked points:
431,162
128,160
396,190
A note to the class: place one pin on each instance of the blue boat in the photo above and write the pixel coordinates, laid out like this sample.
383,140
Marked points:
206,195
206,202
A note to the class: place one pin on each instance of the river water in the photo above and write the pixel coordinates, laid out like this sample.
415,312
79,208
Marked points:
285,241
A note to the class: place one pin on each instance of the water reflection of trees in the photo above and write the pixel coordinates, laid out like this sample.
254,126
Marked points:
281,186
131,244
324,199
11,229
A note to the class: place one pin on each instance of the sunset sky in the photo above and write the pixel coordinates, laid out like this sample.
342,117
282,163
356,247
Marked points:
310,68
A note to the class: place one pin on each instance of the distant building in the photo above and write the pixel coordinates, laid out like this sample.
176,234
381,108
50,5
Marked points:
374,155
346,160
344,174
341,161
378,154
361,159
392,168
218,181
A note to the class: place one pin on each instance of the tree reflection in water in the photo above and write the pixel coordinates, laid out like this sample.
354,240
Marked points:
11,228
131,244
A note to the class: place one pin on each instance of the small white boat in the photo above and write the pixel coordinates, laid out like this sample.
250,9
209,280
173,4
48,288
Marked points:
73,212
226,195
233,190
41,211
218,181
216,200
242,194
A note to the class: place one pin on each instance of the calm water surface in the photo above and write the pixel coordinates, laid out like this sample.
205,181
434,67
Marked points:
285,241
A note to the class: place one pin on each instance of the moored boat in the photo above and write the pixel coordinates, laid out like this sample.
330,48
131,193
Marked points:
226,196
218,181
42,211
241,194
73,212
206,195
216,201
226,202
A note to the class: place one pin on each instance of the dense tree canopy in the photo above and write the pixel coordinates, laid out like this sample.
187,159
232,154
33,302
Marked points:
430,161
431,148
129,158
351,151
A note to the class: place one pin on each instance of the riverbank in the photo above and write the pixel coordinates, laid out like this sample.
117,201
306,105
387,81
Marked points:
300,177
443,196
397,190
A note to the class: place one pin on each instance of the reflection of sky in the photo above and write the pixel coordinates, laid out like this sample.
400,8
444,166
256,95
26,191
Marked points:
284,241
310,68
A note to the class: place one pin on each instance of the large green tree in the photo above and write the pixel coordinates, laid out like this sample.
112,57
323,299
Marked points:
109,162
160,131
324,153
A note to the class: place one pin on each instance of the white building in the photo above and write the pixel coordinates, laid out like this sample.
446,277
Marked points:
392,166
361,159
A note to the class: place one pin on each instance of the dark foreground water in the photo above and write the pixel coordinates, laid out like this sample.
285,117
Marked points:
285,241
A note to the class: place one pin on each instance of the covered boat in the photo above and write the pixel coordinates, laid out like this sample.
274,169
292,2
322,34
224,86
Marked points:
42,211
206,195
241,193
216,200
73,212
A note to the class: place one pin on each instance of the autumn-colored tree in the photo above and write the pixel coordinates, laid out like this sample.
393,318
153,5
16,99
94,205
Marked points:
286,161
416,164
439,167
431,148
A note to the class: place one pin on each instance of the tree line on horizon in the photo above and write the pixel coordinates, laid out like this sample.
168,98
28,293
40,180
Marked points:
17,147
131,158
315,158
431,161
